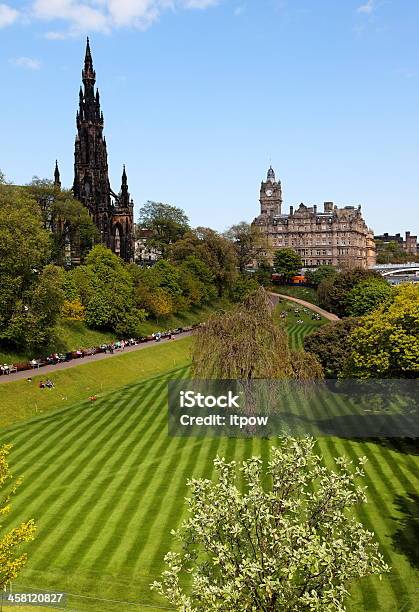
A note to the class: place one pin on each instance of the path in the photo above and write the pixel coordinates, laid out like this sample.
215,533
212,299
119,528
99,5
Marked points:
327,315
99,356
79,362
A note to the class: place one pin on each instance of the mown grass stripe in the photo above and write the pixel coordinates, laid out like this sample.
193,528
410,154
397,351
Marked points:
105,456
394,587
171,515
150,472
51,468
74,418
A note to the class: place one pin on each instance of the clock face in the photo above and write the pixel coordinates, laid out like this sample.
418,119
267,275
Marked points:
269,192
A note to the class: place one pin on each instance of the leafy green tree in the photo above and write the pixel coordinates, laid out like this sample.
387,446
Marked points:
249,242
330,344
73,310
242,287
157,301
167,223
263,273
333,291
367,295
315,277
160,290
386,342
286,540
30,293
202,273
167,275
287,263
106,290
245,343
12,559
214,250
67,219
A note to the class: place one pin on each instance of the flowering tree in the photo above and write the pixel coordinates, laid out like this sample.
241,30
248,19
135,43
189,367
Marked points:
11,559
286,541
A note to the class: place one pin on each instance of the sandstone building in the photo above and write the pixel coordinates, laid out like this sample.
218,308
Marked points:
409,243
334,236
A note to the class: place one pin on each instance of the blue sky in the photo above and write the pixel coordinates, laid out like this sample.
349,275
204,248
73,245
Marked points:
200,95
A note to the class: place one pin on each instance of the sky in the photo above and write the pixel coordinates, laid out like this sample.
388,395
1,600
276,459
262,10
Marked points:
200,96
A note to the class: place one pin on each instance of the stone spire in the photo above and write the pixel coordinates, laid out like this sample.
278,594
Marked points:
271,175
57,179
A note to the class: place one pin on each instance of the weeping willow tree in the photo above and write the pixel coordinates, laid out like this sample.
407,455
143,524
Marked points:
246,343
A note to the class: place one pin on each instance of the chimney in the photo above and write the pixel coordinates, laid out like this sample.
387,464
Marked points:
315,209
328,207
291,210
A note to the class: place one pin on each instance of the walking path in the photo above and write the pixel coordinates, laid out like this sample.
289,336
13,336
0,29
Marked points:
99,356
327,315
44,370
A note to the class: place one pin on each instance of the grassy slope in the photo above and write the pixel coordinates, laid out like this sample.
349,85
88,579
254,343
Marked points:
106,485
304,293
22,400
72,335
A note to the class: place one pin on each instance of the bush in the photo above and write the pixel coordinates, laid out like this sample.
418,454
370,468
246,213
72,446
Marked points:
73,310
367,295
330,344
333,291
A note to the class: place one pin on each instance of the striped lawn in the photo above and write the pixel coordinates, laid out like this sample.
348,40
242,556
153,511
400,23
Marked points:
296,331
106,485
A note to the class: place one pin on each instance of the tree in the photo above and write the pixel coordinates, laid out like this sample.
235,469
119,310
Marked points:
157,302
242,287
330,344
315,277
73,310
202,274
214,250
285,541
333,291
67,219
367,295
246,343
263,273
30,293
248,241
386,342
287,263
167,223
106,290
12,560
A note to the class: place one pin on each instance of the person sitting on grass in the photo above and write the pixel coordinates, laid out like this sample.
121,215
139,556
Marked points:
49,384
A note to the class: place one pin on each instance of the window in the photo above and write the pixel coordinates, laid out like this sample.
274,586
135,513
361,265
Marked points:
117,241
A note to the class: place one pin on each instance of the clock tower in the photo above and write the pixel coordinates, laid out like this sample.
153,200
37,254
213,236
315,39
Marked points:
270,195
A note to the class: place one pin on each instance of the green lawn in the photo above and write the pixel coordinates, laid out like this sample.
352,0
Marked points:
21,400
304,293
296,331
106,485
